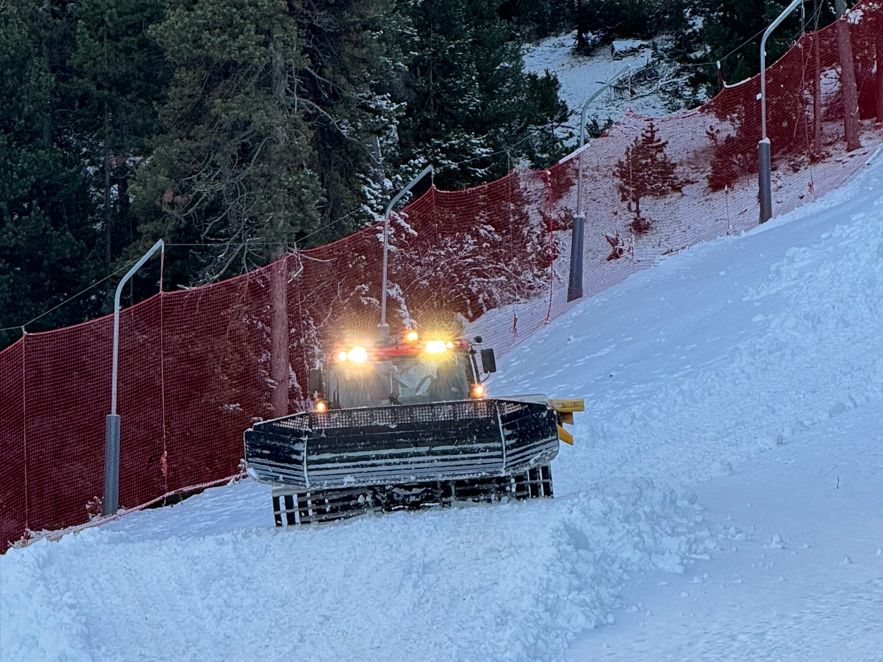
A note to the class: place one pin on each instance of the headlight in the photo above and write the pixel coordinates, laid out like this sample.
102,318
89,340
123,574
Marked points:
357,355
354,355
436,346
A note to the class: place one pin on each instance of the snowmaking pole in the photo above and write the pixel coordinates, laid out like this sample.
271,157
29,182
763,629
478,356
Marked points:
764,169
577,232
384,327
110,502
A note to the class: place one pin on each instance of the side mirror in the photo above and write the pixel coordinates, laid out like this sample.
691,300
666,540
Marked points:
477,340
317,381
488,362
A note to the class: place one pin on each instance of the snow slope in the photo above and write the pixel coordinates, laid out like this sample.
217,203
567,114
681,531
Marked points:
722,500
581,76
803,581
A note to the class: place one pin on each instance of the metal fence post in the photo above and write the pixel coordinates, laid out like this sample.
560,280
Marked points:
575,282
764,180
110,503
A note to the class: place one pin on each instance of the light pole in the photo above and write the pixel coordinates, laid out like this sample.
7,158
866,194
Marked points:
384,327
110,503
764,176
575,282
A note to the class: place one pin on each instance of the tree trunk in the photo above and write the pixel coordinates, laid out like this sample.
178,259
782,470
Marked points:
49,117
280,364
376,162
279,359
108,238
124,218
878,47
108,243
847,79
817,88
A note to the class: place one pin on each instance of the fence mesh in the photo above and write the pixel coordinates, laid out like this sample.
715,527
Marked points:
198,366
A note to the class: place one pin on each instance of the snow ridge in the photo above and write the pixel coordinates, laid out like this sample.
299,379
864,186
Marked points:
514,581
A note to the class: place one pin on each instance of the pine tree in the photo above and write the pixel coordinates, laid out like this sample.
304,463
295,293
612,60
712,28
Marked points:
119,75
352,58
472,109
645,170
46,213
735,149
231,167
609,19
501,254
731,29
865,33
539,18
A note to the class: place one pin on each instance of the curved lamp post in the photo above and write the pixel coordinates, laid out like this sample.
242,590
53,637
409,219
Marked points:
575,282
764,176
110,503
384,327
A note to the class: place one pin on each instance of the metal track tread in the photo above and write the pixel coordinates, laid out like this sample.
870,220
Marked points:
292,508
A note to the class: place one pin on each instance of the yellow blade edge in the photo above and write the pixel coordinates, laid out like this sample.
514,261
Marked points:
565,436
568,405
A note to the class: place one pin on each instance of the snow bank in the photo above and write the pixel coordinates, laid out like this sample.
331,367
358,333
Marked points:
514,582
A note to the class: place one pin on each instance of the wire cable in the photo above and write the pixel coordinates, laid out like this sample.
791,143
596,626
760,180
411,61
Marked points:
717,61
66,301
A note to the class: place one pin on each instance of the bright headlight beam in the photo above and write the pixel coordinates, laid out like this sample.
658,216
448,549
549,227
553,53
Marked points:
435,347
358,354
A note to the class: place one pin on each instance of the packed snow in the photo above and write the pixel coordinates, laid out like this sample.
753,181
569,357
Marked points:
721,502
802,581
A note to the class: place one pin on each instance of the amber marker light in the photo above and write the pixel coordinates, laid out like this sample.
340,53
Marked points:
321,406
412,336
478,391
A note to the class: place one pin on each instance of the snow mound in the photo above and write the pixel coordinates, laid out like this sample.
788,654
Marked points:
512,581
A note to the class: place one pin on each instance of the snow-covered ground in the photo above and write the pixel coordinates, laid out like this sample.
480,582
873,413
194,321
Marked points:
804,579
581,76
723,500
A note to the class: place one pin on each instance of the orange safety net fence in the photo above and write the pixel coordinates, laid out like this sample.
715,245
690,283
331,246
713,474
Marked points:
197,366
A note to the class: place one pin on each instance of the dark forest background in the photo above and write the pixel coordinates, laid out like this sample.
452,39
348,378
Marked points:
238,130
